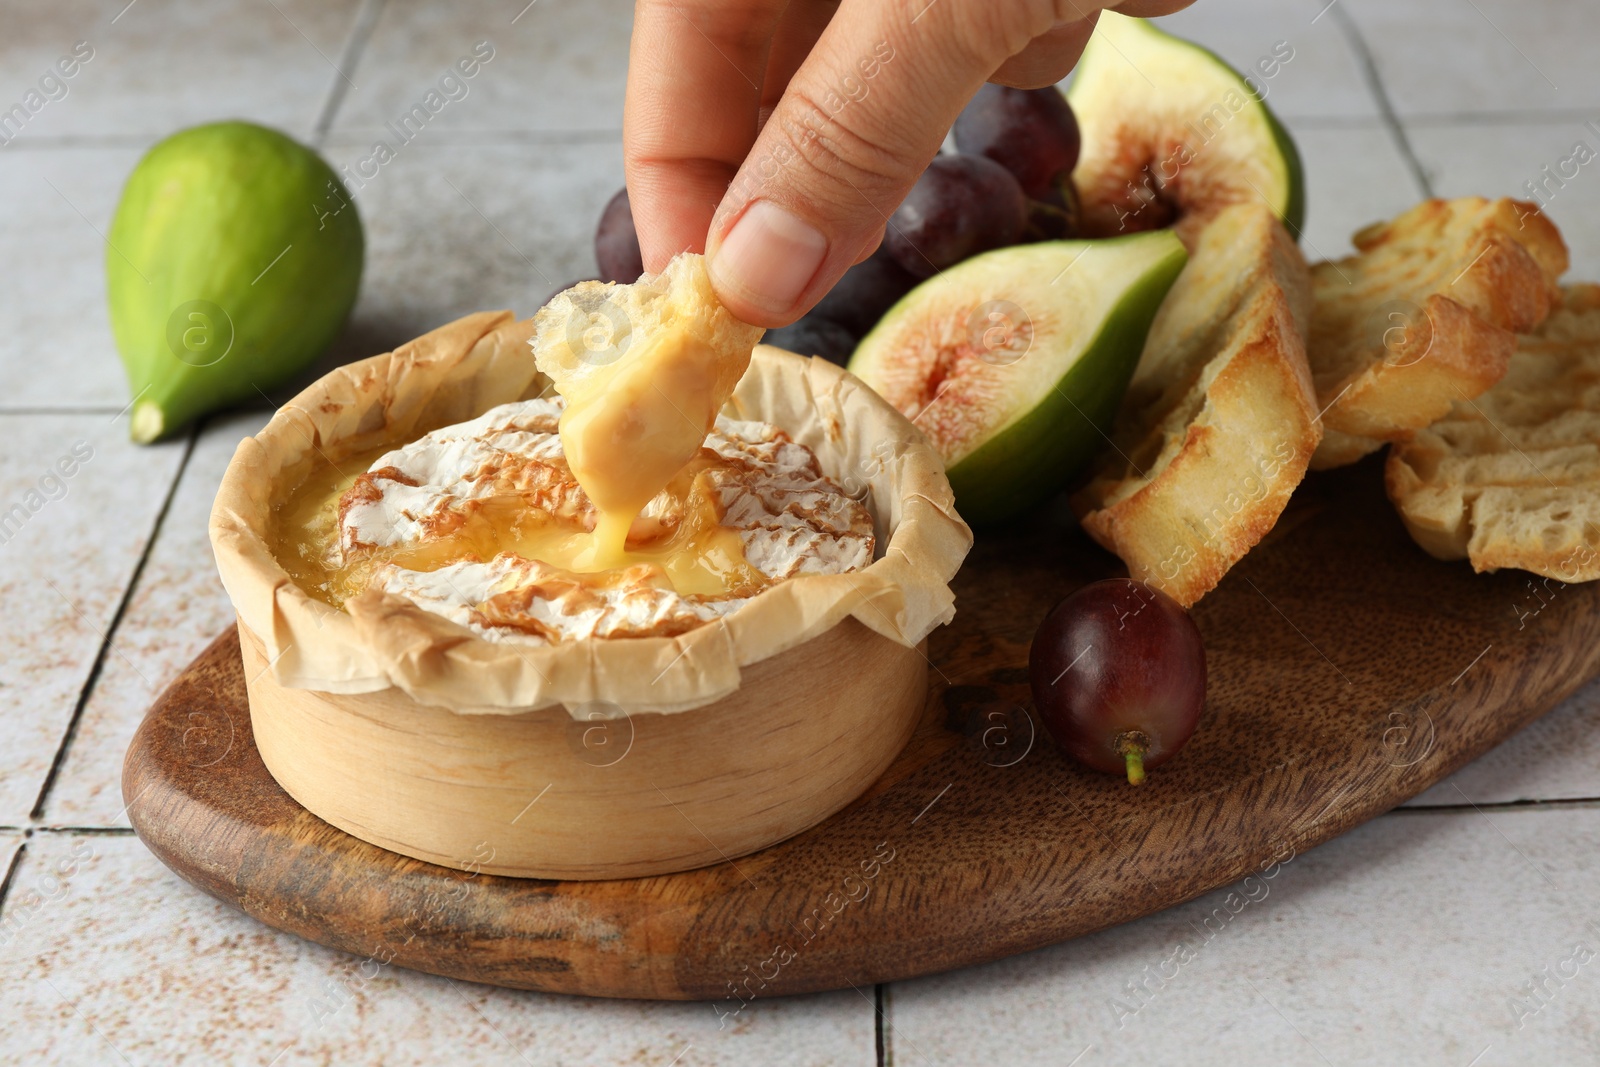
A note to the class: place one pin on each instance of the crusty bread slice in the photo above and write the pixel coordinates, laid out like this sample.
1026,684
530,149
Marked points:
1219,422
583,331
1423,315
1512,478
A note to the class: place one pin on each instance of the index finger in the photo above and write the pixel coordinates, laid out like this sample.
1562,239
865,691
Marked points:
695,75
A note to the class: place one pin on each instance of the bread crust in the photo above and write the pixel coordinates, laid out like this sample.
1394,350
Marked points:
1463,356
1424,314
1512,478
1220,423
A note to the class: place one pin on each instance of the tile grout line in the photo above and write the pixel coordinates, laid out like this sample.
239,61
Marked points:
48,143
1529,804
11,873
99,663
1538,117
883,1047
65,409
91,831
1391,120
349,56
504,137
493,137
1533,116
1296,123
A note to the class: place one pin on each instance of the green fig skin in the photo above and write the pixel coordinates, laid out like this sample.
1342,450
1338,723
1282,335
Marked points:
1294,209
232,263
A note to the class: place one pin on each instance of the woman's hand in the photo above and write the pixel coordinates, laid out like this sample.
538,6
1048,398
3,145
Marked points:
779,135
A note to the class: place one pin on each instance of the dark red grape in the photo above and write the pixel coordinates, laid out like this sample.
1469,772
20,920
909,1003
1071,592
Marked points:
962,205
1055,218
616,242
1030,132
813,335
1119,676
866,291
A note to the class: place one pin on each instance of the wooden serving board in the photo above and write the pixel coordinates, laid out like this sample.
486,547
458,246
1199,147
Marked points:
1348,672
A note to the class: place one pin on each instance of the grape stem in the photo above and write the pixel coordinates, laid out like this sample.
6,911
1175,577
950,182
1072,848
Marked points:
1133,744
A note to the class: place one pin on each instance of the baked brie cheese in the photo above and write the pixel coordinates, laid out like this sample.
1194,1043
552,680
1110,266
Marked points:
485,524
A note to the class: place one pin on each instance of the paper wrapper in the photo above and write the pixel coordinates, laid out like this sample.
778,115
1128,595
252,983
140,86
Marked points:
461,370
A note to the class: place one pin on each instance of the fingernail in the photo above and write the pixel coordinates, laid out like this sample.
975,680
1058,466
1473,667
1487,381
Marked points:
768,258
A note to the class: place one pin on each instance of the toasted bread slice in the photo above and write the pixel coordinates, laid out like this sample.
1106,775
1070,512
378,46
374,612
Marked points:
1219,422
1423,315
1512,479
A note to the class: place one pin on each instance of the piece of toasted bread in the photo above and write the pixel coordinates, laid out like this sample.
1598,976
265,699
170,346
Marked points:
1423,315
1512,478
1219,422
583,331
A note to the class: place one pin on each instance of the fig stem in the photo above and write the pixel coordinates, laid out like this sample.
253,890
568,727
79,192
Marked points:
147,422
1133,744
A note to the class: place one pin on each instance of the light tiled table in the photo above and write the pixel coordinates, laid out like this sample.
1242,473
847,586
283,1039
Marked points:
1400,943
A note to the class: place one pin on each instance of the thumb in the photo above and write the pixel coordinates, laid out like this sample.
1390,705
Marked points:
857,125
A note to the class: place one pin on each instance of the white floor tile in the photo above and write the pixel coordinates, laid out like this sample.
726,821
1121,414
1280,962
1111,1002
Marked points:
1319,79
125,959
1404,942
177,609
68,553
556,65
453,230
56,348
1450,57
1354,176
1501,159
157,66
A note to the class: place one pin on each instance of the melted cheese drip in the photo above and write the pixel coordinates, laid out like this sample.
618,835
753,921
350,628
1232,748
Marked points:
308,532
697,557
630,428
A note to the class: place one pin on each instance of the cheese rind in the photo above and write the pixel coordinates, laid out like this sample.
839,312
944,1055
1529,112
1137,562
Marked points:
765,493
511,598
472,460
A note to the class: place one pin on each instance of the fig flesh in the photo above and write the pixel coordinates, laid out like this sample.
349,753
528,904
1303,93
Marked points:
1171,134
1012,363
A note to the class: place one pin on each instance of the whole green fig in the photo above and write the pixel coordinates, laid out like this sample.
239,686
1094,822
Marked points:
232,262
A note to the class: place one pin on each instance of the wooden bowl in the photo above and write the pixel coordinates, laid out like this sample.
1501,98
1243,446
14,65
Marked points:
548,794
412,733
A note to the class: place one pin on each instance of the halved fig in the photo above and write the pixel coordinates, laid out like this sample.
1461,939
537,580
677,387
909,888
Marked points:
1013,362
1172,135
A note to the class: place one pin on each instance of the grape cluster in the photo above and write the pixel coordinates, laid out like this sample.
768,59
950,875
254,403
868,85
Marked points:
1009,181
